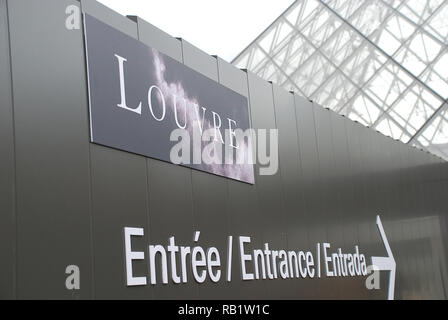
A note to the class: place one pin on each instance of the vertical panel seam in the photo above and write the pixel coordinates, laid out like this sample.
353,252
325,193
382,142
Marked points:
191,170
15,197
283,197
300,165
90,172
198,290
249,107
227,181
147,163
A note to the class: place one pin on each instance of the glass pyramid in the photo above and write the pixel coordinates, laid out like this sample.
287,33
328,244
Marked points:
383,63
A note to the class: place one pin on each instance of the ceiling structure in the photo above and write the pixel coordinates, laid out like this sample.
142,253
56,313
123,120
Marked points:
383,63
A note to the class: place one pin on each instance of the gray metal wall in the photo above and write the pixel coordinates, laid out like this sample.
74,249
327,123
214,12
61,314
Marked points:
65,201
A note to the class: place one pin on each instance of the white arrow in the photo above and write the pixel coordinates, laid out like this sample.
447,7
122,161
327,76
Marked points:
386,263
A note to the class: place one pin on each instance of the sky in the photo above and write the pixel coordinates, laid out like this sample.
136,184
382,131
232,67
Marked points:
218,27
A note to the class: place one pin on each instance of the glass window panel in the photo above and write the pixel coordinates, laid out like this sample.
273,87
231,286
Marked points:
438,25
437,131
399,27
418,10
258,57
388,42
435,135
313,73
342,46
424,47
391,129
311,8
298,56
355,117
434,79
242,61
338,86
364,108
410,61
364,64
293,14
388,85
321,29
345,8
267,40
415,108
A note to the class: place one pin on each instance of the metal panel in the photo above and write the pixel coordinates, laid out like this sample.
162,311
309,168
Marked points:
119,198
417,226
369,237
210,193
7,168
387,179
52,155
403,217
243,209
158,39
309,159
404,269
199,60
376,185
346,212
432,193
358,206
108,16
291,176
269,187
170,195
327,208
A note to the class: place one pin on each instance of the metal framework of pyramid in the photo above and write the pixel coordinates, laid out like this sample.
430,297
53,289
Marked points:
383,63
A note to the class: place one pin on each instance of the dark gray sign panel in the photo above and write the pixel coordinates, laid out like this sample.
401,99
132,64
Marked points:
144,102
